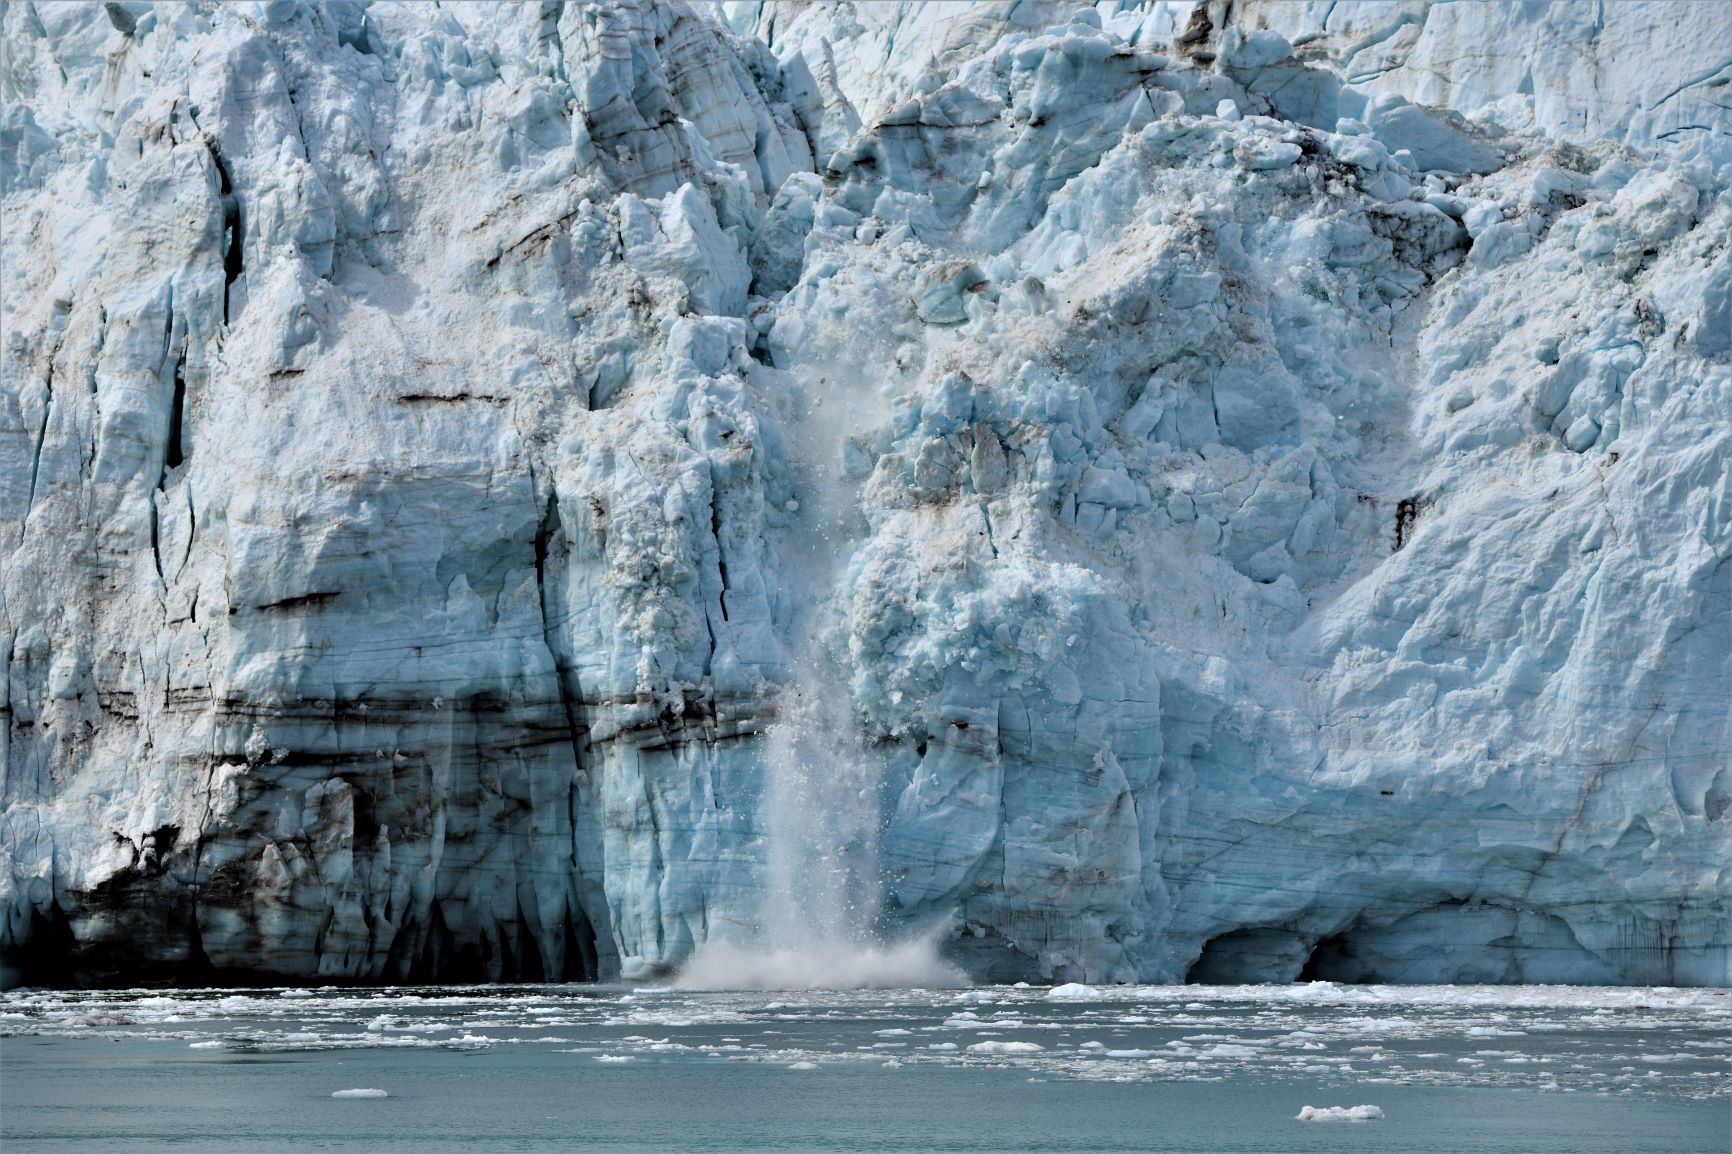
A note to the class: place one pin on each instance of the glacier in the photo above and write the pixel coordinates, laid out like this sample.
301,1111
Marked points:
1245,484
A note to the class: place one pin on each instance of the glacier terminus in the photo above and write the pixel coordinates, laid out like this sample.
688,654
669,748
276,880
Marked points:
1130,492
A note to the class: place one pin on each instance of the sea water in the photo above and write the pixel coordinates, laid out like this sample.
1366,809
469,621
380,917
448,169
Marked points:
1162,1068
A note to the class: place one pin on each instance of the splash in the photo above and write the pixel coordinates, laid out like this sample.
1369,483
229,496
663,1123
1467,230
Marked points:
823,898
819,922
818,966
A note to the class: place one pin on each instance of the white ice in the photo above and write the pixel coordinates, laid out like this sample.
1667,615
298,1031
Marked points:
1340,1114
1236,498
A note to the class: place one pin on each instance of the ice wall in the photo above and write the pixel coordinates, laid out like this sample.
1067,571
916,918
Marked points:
1281,453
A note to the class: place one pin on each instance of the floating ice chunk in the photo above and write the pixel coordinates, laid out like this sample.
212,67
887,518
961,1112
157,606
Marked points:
1005,1048
1339,1114
1072,992
297,993
615,1058
360,1094
205,1046
802,1065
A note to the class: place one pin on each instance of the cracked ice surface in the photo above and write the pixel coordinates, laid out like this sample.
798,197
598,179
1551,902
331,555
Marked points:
1277,469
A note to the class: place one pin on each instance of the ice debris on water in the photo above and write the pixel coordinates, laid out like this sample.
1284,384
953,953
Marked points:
1004,1048
1308,1035
359,1094
1340,1114
1072,992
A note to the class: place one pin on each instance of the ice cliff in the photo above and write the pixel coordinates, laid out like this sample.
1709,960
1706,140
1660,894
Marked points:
1256,475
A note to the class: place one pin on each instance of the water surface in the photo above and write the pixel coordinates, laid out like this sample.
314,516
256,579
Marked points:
1195,1069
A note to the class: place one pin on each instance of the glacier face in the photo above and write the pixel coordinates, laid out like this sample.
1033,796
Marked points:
1256,473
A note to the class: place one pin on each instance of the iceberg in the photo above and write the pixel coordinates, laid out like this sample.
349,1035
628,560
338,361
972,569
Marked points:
1340,1114
1235,493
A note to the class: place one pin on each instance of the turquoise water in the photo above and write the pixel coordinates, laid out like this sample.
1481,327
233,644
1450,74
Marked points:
1146,1069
